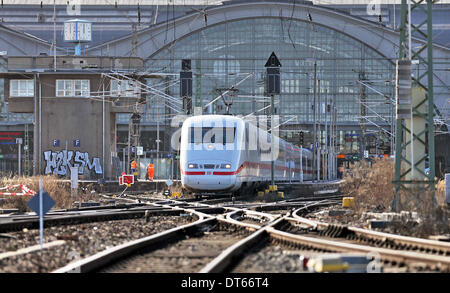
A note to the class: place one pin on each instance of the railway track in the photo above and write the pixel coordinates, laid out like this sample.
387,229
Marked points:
186,254
70,242
307,240
252,237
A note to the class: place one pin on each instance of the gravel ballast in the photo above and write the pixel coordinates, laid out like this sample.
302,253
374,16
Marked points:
81,241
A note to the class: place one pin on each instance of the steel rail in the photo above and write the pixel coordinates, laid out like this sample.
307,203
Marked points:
269,217
390,255
32,222
306,208
236,222
401,241
110,255
232,253
425,244
102,258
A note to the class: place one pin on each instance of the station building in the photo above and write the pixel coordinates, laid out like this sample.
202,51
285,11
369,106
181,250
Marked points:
350,51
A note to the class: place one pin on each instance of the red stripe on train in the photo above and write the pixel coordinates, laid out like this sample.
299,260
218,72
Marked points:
244,165
192,172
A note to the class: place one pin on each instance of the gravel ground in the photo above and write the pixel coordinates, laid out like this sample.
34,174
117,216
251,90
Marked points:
271,258
81,241
251,220
350,217
426,227
188,255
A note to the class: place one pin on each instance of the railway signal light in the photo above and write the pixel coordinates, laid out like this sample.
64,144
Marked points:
273,75
301,137
186,84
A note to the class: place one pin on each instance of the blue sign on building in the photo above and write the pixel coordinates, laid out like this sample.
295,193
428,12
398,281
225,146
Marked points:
56,142
76,143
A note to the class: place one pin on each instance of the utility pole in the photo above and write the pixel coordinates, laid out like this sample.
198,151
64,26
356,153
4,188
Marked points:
335,150
415,106
26,150
103,129
19,159
327,134
134,40
157,147
331,155
334,135
362,114
134,134
301,155
54,35
128,148
319,144
314,120
272,138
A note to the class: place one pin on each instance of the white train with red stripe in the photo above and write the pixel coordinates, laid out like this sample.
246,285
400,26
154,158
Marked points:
221,153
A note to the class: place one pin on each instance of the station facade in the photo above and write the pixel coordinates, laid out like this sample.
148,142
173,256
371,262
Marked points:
351,57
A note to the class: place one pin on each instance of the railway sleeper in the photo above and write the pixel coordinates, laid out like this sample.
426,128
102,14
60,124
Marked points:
336,231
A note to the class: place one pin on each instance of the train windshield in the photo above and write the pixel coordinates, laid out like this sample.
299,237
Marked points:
218,135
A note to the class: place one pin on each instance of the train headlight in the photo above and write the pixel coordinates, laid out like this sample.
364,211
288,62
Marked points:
225,166
210,146
193,166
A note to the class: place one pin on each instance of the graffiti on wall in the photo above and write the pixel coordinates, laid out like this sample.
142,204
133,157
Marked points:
59,163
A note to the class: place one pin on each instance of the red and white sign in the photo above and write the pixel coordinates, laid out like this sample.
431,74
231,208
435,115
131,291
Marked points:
126,179
25,190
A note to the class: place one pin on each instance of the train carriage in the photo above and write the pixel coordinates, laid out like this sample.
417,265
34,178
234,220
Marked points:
220,153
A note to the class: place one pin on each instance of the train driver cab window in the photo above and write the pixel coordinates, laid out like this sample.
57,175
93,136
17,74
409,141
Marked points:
218,135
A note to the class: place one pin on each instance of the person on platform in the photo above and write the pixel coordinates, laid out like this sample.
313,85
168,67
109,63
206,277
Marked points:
150,171
341,172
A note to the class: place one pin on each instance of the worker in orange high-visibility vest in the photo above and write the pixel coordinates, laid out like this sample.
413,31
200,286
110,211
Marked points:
133,167
341,172
150,171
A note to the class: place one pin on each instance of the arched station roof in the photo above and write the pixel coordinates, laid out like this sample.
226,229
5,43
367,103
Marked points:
383,40
150,40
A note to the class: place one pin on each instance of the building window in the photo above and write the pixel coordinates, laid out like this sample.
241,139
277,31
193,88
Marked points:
72,88
226,64
21,88
124,88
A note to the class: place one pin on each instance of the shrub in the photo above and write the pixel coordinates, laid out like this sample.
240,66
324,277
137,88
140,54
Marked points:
58,189
371,186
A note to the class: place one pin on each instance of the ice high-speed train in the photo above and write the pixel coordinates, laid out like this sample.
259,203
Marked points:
227,154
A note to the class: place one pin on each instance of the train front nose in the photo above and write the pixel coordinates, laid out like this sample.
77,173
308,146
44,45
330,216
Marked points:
211,176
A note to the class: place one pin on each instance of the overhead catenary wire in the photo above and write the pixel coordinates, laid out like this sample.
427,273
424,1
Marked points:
226,92
174,102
